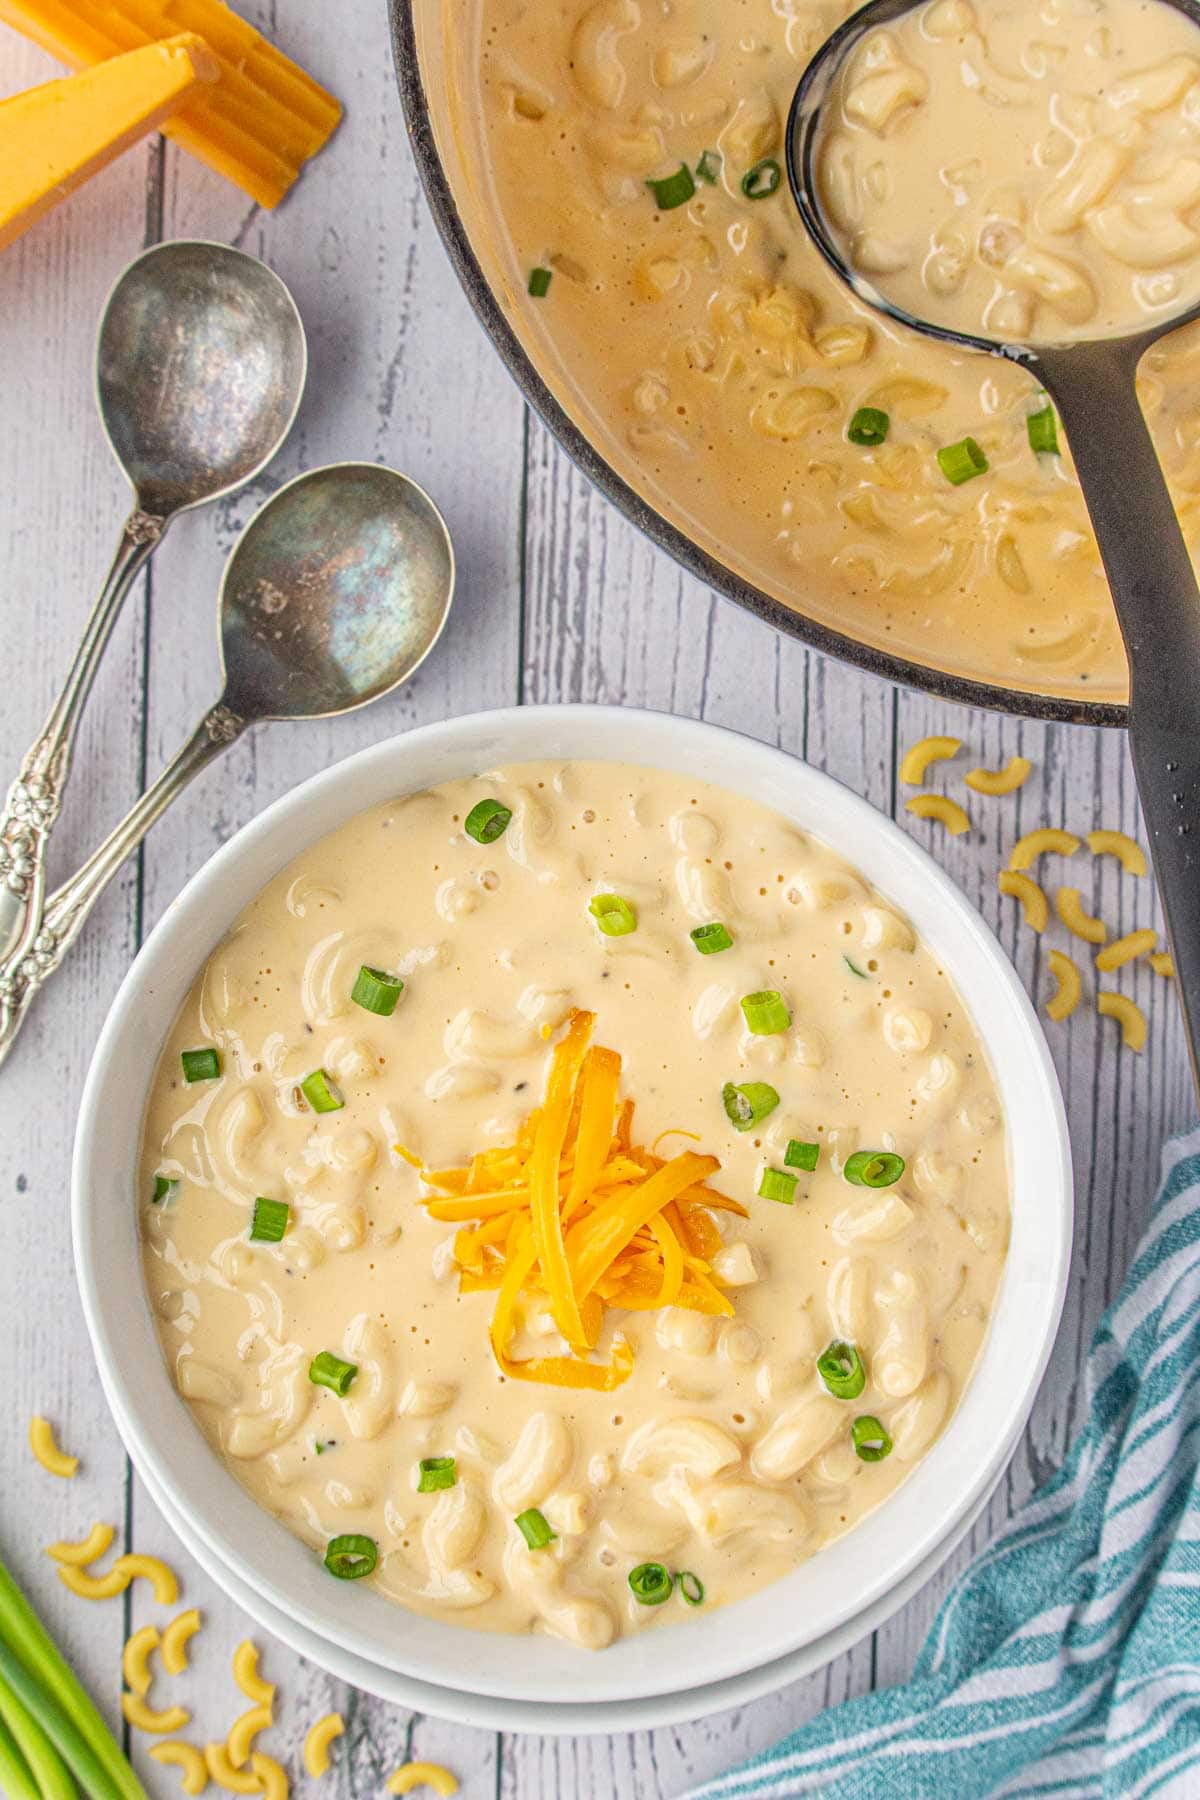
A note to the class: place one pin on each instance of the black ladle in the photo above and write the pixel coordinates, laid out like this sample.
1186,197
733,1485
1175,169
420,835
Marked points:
1147,562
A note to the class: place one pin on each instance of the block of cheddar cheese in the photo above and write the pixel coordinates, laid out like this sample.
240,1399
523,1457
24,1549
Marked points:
54,136
257,125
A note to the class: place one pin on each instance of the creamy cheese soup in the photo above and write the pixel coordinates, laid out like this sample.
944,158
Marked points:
807,1044
1031,172
718,363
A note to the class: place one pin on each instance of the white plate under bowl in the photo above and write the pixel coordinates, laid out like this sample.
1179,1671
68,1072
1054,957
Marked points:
573,1719
835,1586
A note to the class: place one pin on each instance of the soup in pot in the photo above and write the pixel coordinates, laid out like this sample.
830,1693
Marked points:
623,163
570,1198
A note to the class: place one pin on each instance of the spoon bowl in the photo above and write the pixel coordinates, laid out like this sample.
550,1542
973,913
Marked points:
337,590
200,365
1092,381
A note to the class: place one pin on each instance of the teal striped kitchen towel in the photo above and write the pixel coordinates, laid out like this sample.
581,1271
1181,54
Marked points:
1066,1661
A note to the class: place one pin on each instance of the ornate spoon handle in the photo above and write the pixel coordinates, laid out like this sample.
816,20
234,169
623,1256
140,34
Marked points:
67,909
35,797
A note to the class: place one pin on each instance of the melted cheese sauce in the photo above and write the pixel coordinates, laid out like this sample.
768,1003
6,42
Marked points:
1031,173
717,362
722,1453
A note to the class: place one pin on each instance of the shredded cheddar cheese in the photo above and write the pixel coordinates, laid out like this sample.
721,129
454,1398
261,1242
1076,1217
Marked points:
52,1459
1163,963
412,1775
576,1214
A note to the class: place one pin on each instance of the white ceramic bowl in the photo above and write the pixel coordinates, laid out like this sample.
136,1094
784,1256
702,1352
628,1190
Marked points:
211,1509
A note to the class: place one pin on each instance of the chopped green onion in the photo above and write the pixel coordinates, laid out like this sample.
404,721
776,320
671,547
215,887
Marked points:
165,1188
746,1103
328,1370
871,1442
709,939
962,461
351,1556
690,1586
760,182
320,1448
1043,431
873,1168
800,1155
651,1583
614,916
709,167
321,1093
376,991
486,821
539,282
854,968
200,1065
868,427
777,1184
436,1472
673,190
270,1221
535,1529
766,1013
841,1369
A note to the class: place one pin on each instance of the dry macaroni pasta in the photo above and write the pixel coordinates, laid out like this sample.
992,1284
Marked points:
1128,1014
239,1740
222,1771
134,1659
1126,949
412,1775
245,1673
1034,905
318,1738
1163,964
175,1639
187,1759
1129,854
1000,781
271,1776
1065,998
1047,841
144,1718
920,756
87,1550
52,1459
947,812
1069,907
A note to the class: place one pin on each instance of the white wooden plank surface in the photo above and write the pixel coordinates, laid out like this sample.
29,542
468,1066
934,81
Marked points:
558,600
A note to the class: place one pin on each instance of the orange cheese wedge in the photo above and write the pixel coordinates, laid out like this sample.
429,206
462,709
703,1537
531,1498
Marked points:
53,137
257,125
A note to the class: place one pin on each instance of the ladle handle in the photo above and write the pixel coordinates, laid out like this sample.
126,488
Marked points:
1157,600
68,908
35,797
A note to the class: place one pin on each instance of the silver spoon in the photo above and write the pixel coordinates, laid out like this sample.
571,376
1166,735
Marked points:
335,592
1141,545
200,365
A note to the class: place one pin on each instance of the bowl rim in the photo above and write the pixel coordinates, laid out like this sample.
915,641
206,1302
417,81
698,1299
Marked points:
960,689
220,1511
